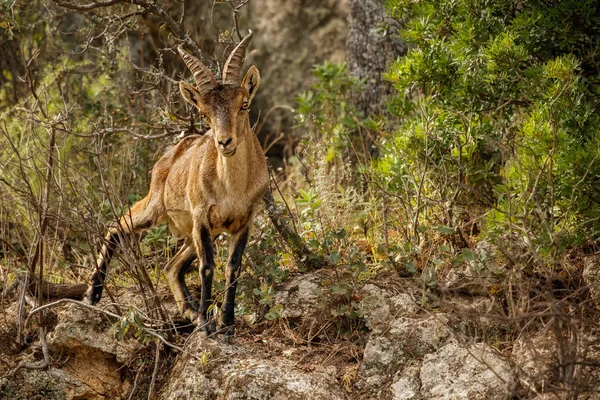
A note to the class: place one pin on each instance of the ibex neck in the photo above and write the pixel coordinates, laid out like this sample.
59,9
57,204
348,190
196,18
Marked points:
233,171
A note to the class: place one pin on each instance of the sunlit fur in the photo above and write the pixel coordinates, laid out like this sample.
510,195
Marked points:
202,187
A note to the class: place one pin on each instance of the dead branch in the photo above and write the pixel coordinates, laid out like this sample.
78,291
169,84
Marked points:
174,27
310,260
43,364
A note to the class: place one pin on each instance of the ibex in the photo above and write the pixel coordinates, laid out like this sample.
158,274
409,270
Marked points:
203,186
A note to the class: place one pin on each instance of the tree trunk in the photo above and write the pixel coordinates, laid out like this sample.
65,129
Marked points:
372,43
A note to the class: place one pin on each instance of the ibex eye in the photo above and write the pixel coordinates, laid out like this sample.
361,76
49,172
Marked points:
245,106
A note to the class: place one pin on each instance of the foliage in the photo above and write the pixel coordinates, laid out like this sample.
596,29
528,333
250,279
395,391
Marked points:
505,123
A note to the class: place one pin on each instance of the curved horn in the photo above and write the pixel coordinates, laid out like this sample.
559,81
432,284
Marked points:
205,80
231,70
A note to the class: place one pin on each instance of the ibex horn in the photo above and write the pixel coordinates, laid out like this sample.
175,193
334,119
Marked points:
231,70
205,80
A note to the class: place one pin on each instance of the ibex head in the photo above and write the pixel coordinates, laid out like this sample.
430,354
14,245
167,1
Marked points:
225,105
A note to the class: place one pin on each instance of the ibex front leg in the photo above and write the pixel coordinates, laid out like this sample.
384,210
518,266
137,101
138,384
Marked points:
204,246
236,250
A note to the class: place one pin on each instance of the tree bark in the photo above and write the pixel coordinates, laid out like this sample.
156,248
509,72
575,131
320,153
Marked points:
372,43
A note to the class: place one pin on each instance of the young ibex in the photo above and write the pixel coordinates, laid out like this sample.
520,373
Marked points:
203,186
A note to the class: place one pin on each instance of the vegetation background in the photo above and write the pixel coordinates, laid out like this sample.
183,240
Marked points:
456,149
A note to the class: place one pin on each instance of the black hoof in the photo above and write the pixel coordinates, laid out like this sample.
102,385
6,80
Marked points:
94,295
228,332
207,329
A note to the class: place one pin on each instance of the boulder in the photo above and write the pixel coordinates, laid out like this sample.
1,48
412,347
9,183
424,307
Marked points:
536,357
392,348
407,385
299,296
471,372
93,357
211,369
379,305
591,274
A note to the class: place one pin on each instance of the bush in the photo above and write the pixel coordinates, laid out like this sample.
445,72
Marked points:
505,123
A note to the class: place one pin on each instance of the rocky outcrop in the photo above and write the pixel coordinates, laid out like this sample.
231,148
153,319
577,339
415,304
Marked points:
210,370
86,340
458,372
410,353
87,360
591,274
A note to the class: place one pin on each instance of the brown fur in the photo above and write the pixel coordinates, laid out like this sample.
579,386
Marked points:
211,183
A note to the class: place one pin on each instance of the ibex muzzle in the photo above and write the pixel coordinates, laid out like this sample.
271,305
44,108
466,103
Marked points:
204,186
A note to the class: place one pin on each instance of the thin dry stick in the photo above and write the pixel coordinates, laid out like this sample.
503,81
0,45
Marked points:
41,365
151,394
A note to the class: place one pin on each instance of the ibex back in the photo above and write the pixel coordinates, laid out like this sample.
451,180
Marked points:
203,186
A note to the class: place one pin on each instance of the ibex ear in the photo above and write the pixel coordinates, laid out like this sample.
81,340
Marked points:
251,82
189,93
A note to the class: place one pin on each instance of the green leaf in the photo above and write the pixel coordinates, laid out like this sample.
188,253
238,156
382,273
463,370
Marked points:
446,230
340,289
468,255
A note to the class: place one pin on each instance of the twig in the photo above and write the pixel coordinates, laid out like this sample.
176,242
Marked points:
41,365
137,375
151,394
10,288
89,6
235,11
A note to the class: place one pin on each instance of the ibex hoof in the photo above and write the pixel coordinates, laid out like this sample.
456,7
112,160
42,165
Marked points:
228,332
191,315
207,329
93,295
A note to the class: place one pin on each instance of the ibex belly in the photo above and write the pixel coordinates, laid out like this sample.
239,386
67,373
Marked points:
180,223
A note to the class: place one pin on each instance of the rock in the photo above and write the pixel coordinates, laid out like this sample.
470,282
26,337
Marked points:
536,357
480,312
379,305
591,274
35,384
475,276
407,386
80,329
299,297
93,357
390,349
473,372
213,370
307,302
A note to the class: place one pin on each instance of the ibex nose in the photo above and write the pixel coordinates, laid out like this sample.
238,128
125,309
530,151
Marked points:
225,143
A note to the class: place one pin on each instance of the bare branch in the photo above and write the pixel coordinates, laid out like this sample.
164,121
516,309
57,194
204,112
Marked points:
89,6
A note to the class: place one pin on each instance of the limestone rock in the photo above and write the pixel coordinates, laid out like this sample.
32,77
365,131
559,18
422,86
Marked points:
93,356
407,386
402,342
535,356
79,328
214,370
477,275
473,372
591,274
379,305
299,296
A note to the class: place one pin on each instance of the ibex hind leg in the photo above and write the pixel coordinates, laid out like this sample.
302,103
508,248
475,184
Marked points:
176,270
94,292
140,217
